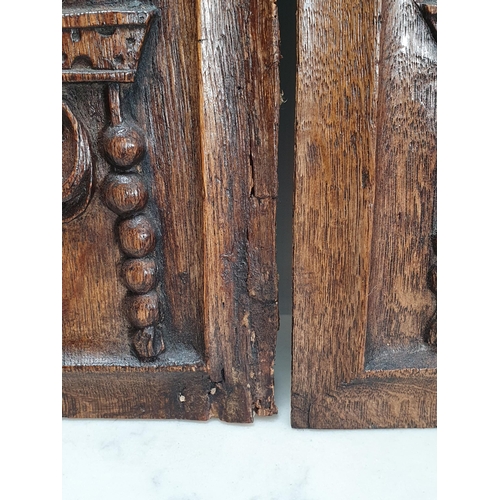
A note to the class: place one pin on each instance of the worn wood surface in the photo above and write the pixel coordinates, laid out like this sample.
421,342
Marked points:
180,235
363,216
429,10
239,147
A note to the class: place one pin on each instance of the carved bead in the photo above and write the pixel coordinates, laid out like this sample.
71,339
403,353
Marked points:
137,236
142,310
139,275
124,193
124,145
148,343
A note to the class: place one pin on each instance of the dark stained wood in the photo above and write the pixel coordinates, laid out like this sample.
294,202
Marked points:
139,275
124,194
138,394
137,236
172,96
239,139
169,275
365,179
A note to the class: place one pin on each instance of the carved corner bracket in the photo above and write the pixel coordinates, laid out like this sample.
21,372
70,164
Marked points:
104,45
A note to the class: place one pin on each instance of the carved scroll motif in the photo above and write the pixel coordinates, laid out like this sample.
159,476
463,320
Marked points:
78,169
105,44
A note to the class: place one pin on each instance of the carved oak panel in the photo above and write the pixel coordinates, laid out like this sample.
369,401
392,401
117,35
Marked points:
170,113
364,263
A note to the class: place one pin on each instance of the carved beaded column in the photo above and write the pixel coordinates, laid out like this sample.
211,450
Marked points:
104,45
125,194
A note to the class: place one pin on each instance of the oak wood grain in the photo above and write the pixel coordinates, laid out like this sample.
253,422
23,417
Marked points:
400,301
363,216
239,147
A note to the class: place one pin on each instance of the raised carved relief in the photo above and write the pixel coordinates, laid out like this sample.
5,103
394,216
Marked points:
105,44
177,245
78,170
125,194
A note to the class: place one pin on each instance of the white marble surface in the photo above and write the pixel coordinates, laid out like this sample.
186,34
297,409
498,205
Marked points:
267,460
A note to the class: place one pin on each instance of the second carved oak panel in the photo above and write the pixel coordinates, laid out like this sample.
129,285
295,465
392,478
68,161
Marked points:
364,261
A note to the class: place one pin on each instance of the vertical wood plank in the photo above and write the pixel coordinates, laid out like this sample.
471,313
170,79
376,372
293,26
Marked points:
334,170
238,135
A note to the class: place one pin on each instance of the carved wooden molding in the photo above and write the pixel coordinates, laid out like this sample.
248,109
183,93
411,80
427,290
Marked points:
103,44
125,194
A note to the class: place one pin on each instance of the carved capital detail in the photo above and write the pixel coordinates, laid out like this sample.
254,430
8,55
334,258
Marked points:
103,44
